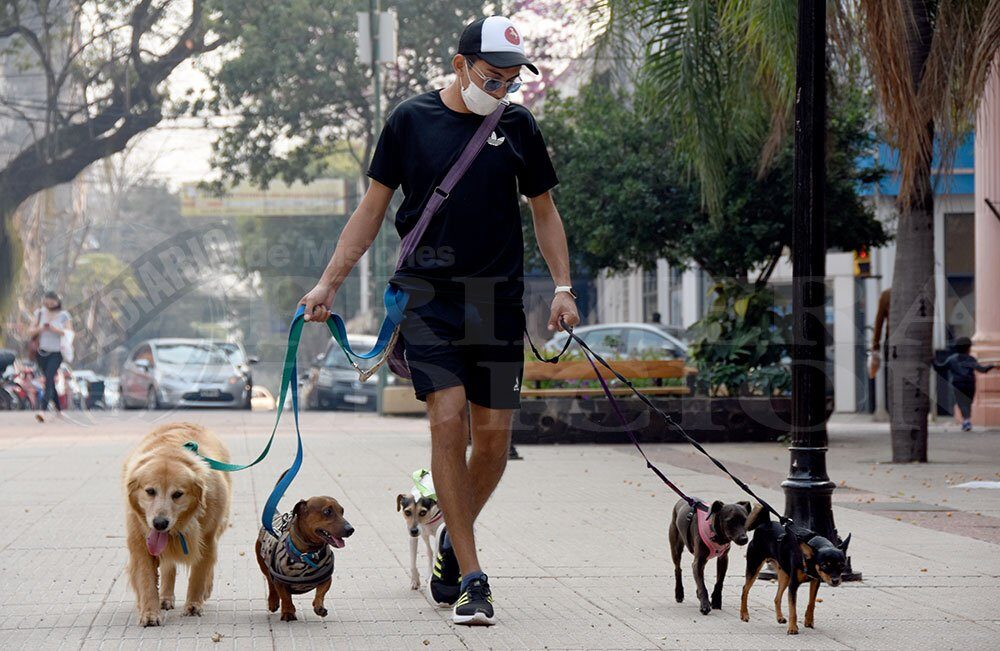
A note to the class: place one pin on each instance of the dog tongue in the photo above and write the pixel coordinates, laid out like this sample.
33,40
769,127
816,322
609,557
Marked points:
156,542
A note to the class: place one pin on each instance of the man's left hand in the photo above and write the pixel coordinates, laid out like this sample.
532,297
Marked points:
563,307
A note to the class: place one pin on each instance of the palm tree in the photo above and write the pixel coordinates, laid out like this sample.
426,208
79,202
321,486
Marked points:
726,73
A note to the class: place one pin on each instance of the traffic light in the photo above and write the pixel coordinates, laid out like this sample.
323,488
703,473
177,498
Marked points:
862,263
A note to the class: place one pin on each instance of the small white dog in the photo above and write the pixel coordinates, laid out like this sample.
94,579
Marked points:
423,519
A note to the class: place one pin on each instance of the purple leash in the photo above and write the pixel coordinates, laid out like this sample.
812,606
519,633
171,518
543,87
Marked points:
591,356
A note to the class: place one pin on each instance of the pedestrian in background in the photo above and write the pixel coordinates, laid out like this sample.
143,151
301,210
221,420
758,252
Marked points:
962,367
51,326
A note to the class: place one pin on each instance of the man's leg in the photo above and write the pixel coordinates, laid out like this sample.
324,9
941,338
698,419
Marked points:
447,410
490,445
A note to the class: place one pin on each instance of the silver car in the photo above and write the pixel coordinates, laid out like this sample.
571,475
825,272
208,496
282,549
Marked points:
626,341
181,373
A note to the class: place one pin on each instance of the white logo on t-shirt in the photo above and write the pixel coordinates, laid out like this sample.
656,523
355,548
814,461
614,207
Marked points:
493,140
516,385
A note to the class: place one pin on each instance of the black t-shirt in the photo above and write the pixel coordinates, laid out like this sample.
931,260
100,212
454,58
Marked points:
473,247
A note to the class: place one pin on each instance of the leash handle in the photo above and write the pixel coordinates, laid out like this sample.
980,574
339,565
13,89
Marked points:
670,421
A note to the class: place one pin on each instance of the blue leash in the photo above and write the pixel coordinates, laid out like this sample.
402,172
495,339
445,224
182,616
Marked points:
395,303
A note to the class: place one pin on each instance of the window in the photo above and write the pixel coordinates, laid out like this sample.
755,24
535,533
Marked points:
650,304
676,294
190,354
643,342
143,352
959,273
606,341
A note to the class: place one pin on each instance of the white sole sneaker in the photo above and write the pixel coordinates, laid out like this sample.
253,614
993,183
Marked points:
477,619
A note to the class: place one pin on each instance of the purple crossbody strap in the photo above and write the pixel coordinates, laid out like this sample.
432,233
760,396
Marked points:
441,192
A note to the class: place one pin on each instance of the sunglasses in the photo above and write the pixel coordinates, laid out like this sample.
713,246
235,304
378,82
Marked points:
492,85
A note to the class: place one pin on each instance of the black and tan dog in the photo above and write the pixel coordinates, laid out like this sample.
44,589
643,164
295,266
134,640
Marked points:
707,534
799,555
299,559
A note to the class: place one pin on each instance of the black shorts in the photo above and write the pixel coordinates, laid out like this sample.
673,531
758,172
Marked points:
453,342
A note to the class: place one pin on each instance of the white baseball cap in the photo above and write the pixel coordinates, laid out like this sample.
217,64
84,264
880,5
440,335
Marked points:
496,41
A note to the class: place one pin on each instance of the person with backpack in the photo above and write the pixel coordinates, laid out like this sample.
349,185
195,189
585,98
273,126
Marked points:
464,320
962,368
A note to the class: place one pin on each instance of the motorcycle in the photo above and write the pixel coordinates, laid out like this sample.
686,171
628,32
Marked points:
12,395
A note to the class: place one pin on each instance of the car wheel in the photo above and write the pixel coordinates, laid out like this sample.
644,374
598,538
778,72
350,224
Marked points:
152,401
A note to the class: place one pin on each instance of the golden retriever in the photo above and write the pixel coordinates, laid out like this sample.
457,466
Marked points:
176,508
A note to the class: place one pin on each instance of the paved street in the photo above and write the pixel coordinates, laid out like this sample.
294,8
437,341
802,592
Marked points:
574,542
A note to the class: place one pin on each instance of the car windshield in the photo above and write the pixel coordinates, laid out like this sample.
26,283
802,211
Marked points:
190,355
232,351
335,357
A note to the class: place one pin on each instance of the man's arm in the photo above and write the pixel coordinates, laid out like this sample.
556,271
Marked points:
358,235
551,238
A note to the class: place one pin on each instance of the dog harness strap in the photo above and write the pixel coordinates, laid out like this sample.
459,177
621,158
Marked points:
184,543
588,352
301,571
708,536
436,518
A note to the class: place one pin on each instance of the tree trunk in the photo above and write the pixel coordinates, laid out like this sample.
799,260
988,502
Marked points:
10,258
911,308
911,317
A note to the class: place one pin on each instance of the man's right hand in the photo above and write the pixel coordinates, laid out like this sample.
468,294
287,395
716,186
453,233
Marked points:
318,301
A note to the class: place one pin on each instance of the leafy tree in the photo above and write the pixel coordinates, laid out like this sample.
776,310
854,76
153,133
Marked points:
628,201
298,92
928,61
96,92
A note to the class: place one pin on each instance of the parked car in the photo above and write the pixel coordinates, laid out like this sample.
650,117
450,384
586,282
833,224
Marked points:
238,356
333,383
625,341
181,373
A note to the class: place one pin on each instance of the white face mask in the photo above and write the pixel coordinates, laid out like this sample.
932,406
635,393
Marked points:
476,99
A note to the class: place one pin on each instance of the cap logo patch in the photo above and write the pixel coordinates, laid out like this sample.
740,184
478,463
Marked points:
512,36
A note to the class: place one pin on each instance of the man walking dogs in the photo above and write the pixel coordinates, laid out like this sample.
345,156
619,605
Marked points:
464,323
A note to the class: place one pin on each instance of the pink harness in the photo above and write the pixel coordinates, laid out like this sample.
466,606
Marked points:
705,531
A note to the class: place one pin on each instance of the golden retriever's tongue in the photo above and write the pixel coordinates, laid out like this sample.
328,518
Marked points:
156,542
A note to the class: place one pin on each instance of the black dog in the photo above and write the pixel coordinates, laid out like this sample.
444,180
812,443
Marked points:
800,556
723,523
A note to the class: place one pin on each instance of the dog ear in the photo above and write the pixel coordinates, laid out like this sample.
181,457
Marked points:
746,506
716,507
843,545
300,507
399,502
807,551
131,487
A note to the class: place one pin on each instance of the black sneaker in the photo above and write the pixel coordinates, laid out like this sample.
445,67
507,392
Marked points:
475,606
446,580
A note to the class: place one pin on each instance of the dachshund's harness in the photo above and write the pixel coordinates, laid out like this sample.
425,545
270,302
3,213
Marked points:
300,571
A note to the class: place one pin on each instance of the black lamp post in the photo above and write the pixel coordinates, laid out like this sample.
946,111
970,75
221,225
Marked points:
808,489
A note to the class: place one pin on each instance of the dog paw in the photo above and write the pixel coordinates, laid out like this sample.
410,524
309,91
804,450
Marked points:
321,611
716,602
167,603
782,620
809,623
272,604
288,617
705,609
744,616
793,630
679,595
192,610
415,584
150,618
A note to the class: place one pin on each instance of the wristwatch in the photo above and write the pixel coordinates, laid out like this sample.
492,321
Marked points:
565,288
